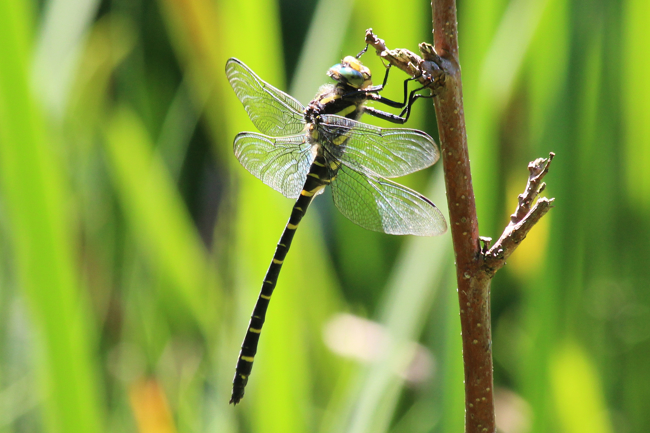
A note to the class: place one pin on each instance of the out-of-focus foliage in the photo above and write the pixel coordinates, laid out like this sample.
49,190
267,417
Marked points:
133,245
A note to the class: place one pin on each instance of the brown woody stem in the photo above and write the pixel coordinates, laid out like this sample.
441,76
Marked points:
473,284
524,217
439,69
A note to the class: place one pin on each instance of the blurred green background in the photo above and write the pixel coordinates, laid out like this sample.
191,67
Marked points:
133,244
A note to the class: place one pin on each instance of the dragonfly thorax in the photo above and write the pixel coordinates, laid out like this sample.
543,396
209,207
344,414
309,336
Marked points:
339,99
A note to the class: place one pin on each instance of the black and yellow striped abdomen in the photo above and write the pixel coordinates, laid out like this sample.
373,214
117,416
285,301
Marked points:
317,179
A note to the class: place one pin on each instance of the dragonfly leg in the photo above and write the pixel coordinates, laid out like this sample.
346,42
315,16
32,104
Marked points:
394,118
362,52
412,98
406,112
409,99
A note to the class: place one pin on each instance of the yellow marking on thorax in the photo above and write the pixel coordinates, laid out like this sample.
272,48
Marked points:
326,100
318,164
347,110
334,165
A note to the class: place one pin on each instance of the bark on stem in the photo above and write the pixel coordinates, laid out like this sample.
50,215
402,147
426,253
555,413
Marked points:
473,284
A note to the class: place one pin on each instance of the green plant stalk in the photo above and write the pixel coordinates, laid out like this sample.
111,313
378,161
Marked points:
35,200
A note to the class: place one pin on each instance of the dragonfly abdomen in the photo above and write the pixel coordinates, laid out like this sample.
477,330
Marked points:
317,179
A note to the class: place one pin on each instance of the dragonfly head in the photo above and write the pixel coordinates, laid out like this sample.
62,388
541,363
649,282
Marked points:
351,73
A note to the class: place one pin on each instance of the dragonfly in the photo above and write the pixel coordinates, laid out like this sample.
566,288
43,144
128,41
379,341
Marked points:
301,150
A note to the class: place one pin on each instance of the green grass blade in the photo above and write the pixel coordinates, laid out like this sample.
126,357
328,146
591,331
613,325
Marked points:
156,212
636,96
60,40
578,393
37,206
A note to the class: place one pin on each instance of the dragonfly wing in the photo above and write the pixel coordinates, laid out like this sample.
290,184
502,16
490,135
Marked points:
382,205
272,111
388,152
281,163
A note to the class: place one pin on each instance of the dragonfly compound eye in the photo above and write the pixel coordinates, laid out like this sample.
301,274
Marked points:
351,72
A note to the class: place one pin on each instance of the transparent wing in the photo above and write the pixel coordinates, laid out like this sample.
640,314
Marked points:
388,152
272,111
382,205
281,163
